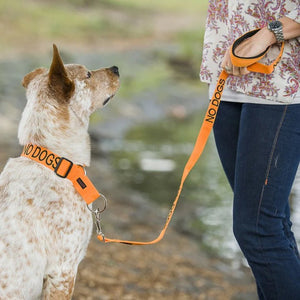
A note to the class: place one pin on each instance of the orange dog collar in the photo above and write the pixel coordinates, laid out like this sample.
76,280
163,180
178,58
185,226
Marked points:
63,168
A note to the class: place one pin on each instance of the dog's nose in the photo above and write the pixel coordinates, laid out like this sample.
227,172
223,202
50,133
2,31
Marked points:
115,70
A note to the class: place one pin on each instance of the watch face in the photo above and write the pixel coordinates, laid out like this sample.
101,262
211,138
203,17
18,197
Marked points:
275,25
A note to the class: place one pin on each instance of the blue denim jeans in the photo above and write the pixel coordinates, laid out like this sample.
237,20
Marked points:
259,147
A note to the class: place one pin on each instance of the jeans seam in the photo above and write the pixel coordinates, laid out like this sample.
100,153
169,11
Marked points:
270,160
266,180
274,145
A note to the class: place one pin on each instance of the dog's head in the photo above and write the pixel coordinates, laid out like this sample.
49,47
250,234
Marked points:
61,99
64,82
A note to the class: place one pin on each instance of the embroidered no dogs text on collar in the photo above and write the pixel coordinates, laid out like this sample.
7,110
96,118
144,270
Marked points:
63,168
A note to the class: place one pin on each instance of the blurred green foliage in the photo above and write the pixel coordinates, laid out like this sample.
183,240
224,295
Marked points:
31,21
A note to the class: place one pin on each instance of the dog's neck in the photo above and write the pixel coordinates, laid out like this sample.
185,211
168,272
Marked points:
58,130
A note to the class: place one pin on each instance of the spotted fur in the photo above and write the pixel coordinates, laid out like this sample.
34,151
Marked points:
45,226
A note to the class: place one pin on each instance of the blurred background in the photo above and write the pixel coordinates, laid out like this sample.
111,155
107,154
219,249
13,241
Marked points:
140,143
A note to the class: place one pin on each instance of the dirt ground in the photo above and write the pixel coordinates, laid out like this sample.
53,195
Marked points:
166,271
175,268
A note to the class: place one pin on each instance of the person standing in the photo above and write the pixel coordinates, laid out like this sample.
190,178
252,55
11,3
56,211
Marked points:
257,133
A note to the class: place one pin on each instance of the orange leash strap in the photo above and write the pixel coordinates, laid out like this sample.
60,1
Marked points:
203,135
207,125
66,169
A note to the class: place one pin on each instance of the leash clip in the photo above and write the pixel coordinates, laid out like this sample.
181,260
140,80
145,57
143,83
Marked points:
97,215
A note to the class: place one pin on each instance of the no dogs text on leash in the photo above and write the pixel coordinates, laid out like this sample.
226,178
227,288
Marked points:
66,169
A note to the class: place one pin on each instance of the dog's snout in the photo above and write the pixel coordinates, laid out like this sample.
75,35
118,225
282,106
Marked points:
115,70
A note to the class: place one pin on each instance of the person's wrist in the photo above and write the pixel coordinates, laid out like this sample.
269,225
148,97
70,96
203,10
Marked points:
269,36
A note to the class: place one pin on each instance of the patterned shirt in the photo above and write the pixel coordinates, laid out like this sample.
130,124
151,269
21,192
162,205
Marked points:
229,19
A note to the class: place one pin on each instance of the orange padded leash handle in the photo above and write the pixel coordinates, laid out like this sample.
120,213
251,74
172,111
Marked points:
63,168
252,63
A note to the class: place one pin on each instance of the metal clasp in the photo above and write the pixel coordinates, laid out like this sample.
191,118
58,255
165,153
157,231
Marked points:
97,215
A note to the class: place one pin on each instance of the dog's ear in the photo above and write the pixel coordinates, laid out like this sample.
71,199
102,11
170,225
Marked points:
27,78
59,82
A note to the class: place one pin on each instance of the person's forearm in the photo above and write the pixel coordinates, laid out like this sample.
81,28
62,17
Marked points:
291,29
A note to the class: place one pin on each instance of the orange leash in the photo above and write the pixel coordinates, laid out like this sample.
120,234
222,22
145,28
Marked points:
76,173
196,153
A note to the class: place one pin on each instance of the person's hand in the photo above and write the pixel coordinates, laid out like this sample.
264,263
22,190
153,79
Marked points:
230,68
252,46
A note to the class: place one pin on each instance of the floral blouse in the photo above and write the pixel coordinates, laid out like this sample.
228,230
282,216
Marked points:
229,19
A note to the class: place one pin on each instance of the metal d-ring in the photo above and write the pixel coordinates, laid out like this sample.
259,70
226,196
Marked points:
98,210
97,214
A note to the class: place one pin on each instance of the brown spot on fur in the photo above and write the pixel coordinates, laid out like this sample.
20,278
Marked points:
29,201
27,79
71,288
37,137
63,117
57,294
21,214
33,240
69,283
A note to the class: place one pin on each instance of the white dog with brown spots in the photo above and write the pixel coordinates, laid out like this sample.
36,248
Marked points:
45,226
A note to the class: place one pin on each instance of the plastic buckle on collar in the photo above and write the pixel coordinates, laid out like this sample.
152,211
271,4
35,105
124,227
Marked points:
66,169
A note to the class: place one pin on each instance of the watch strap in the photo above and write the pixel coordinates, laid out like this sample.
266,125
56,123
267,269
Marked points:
277,29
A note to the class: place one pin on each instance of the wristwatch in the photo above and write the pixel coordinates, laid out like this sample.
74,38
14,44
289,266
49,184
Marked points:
276,28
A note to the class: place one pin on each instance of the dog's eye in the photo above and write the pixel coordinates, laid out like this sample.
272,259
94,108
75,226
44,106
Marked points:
89,74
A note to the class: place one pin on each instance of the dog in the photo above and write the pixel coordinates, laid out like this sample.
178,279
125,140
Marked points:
45,226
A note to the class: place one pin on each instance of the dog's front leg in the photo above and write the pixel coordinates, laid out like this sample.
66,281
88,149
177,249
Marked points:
58,287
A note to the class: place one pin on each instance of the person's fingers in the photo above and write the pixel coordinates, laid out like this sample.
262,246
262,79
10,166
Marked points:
230,69
226,63
236,71
225,59
244,71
